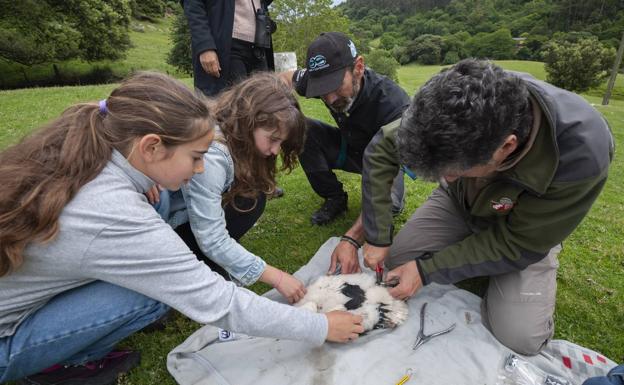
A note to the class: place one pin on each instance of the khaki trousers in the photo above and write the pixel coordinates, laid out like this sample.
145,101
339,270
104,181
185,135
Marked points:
518,307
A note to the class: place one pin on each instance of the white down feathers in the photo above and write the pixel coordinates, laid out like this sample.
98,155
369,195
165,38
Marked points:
358,294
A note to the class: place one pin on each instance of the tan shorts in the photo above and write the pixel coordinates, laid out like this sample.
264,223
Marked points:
518,307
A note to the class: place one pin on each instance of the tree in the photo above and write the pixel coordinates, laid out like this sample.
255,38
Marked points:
382,62
300,22
577,66
46,31
427,49
495,45
180,55
147,9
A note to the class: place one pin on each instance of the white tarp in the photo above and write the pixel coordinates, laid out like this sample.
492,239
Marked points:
468,355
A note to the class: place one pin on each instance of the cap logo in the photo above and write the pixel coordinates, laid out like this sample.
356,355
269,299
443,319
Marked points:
352,48
317,62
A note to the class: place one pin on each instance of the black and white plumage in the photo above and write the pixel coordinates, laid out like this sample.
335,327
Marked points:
359,294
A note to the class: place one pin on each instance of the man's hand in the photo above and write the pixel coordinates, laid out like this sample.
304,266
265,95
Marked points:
374,255
409,280
210,63
345,254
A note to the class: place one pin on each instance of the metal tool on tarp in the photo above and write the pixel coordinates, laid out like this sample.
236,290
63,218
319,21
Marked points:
379,270
423,338
406,377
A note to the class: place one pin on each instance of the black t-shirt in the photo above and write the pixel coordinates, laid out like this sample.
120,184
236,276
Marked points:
379,102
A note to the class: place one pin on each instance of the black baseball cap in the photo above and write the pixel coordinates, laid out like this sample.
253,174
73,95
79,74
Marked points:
328,54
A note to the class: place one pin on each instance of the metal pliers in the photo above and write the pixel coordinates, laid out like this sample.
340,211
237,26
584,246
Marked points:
423,338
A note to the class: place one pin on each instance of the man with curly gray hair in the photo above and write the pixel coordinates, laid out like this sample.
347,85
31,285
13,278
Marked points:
520,163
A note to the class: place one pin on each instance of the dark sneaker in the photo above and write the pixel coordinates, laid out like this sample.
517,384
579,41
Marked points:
331,209
101,372
277,193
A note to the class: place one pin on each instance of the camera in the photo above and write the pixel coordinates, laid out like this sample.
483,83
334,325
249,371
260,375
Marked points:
264,28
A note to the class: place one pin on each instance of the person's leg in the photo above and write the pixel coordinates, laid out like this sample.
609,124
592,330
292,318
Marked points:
519,306
240,55
83,324
258,62
319,156
239,222
436,224
185,232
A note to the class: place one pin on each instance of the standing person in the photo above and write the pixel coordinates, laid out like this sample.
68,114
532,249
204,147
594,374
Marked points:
258,119
520,163
361,103
223,42
85,260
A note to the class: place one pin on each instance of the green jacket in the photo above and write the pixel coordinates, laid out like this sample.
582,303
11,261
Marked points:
525,210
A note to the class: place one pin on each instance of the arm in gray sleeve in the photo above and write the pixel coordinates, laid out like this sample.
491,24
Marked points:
142,253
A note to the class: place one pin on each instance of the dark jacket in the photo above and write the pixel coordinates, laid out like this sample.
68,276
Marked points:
211,23
550,190
379,102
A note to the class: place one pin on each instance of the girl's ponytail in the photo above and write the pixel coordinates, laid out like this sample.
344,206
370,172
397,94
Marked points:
41,174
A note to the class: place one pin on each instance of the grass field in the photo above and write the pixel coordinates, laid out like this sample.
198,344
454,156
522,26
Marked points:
591,278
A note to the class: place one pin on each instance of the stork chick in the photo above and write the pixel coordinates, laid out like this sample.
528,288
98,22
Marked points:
358,294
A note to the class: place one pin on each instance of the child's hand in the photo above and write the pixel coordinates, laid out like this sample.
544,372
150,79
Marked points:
343,326
290,287
153,194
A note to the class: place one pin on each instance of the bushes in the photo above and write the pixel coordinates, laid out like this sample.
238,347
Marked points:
426,49
495,45
180,54
577,64
383,63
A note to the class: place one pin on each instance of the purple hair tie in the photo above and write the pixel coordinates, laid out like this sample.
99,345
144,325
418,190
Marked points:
103,108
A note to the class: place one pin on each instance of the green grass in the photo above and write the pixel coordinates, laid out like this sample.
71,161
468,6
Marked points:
149,51
591,277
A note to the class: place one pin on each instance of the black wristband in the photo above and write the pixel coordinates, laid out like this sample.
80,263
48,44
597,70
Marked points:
352,241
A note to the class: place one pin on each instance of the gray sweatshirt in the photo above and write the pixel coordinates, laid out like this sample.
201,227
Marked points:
110,232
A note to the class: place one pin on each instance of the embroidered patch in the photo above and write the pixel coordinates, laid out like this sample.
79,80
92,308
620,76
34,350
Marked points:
317,62
503,204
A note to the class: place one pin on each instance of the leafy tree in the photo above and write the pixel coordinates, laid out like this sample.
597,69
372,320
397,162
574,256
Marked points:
427,49
389,22
578,65
300,22
46,31
376,29
382,62
451,57
456,43
147,9
180,55
495,45
532,47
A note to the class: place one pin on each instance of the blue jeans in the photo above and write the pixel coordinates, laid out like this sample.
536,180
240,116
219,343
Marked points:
79,325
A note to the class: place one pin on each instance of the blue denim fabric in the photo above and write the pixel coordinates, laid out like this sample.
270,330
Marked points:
79,325
614,377
200,204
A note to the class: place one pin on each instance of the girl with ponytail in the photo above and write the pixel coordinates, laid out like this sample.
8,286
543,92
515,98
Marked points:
85,261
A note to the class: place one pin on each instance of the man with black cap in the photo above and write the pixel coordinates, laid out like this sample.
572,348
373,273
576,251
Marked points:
361,103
